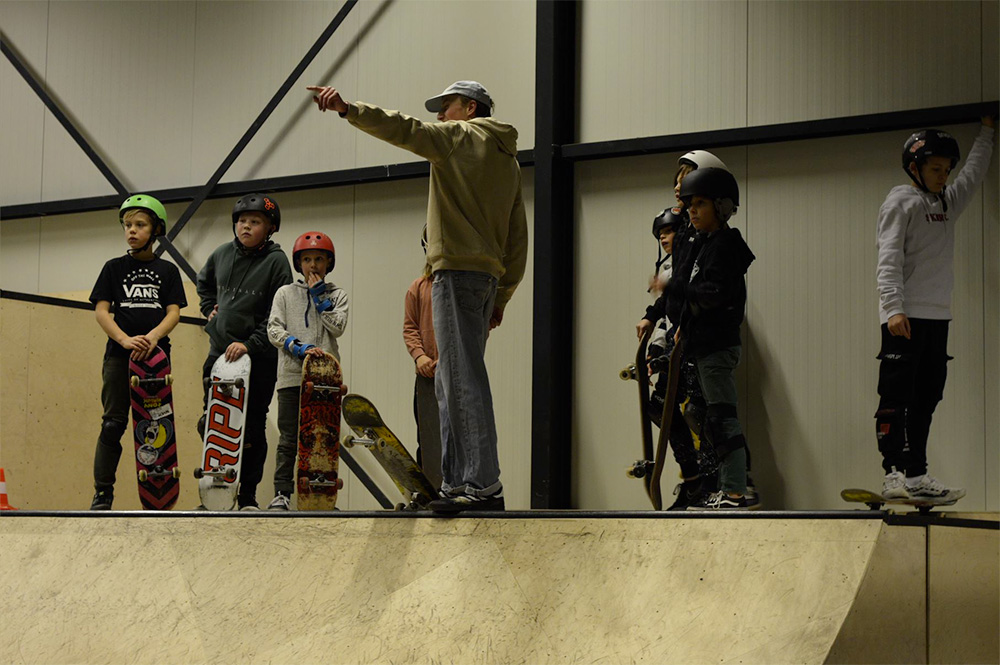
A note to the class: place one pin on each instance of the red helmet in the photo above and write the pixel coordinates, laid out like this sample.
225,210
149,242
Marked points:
313,240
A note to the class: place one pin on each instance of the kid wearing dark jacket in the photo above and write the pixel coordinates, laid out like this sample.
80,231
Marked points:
236,288
710,295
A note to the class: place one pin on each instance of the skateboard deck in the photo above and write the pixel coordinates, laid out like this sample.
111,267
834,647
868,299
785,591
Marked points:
666,420
218,473
371,432
639,372
153,431
875,500
319,433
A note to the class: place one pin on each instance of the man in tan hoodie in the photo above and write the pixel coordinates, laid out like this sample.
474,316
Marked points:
477,248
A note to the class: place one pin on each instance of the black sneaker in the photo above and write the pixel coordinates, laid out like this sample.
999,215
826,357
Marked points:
451,505
686,493
103,499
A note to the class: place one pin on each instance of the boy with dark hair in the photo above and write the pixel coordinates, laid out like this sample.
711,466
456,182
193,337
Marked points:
236,288
916,246
477,247
138,298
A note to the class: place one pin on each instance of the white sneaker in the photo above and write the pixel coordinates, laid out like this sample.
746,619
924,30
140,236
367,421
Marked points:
280,502
894,486
928,487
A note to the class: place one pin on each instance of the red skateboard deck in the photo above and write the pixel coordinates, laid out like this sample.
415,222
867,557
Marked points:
319,433
153,431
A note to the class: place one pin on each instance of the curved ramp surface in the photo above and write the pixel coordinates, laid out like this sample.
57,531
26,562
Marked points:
376,590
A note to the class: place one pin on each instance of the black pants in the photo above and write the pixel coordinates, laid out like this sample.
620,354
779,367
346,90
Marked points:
911,379
263,376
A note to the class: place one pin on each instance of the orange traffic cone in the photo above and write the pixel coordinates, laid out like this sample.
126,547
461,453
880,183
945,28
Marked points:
3,493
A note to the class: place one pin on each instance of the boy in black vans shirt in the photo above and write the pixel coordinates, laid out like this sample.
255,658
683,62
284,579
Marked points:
138,298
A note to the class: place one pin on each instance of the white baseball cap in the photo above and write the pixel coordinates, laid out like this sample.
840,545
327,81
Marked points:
471,89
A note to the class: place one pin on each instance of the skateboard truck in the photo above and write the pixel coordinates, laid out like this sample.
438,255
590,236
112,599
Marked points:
369,441
320,388
640,468
227,473
159,472
321,481
628,373
227,384
135,381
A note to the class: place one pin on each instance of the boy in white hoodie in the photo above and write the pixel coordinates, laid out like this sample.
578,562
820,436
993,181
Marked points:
307,317
916,246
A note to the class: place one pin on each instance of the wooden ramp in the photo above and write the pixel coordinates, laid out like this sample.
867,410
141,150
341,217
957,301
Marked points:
377,589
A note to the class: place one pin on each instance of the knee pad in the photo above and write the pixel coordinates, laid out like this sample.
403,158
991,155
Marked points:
731,445
890,430
111,432
694,415
715,417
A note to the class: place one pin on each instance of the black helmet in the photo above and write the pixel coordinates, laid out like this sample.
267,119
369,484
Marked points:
712,183
669,218
259,203
928,143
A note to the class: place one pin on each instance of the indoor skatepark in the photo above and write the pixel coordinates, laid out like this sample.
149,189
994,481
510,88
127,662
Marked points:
578,570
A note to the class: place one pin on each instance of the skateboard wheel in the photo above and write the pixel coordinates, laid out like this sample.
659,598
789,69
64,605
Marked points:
238,382
168,379
627,374
143,475
343,389
380,442
199,472
399,507
340,484
134,380
175,472
230,474
348,442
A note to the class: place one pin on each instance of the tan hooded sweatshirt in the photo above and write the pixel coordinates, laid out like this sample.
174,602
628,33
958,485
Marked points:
475,213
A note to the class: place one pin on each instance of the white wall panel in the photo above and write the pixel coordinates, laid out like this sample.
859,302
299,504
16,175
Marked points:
246,50
991,49
615,253
123,71
825,59
651,68
416,49
19,252
991,330
22,114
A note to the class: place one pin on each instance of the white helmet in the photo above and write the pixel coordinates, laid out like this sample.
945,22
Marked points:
701,159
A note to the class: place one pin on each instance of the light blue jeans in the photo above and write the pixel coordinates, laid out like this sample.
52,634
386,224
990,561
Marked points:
462,302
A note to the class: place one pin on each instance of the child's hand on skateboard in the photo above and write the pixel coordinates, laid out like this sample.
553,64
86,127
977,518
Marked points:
314,351
235,351
136,344
642,327
327,98
141,354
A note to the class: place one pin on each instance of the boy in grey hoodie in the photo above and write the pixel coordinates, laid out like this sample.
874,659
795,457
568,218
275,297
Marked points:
916,246
236,287
307,317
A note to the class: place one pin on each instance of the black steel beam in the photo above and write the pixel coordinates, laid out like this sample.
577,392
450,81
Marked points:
75,304
32,81
552,338
788,131
345,177
573,152
258,122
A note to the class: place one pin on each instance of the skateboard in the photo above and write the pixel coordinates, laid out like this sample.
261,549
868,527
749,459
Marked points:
638,372
219,471
153,431
319,433
666,420
875,500
372,433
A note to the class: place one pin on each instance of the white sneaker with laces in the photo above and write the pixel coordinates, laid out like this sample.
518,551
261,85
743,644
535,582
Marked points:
928,487
280,502
894,486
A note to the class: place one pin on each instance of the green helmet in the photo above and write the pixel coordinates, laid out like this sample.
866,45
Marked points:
151,206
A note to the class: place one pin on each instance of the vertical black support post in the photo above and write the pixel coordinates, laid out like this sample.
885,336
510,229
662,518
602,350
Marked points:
552,337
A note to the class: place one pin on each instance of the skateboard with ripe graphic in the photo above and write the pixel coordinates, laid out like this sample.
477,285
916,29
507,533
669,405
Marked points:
319,433
153,431
218,472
